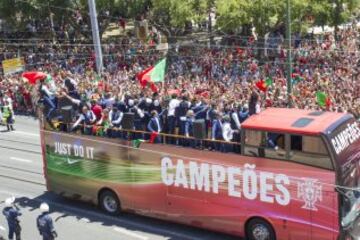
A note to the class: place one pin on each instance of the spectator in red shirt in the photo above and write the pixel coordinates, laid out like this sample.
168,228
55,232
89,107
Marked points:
96,108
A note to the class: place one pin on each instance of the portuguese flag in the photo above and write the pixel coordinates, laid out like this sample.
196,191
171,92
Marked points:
33,77
263,85
153,75
323,99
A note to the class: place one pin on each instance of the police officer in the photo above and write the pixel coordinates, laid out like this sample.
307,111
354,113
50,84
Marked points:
8,115
45,224
12,214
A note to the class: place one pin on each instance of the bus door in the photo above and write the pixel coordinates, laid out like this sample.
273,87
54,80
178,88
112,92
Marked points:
314,203
271,145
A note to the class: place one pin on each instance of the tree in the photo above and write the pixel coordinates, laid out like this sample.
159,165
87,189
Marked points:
171,16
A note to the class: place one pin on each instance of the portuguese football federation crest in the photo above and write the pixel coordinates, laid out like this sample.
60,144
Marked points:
310,191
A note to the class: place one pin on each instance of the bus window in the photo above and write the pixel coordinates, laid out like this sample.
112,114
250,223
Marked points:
309,150
264,144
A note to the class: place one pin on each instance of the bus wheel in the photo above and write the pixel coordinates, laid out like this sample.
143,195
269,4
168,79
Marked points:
109,202
258,229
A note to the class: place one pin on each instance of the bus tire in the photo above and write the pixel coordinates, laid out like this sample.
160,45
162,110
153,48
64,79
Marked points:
259,229
109,202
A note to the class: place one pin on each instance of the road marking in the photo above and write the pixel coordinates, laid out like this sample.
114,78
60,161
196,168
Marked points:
27,133
130,233
2,229
21,159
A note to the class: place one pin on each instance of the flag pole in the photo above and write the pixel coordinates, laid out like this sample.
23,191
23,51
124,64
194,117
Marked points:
96,37
289,66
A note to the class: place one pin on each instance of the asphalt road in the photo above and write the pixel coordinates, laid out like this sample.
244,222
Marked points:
21,176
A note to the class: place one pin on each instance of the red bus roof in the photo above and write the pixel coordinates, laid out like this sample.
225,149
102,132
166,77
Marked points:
292,120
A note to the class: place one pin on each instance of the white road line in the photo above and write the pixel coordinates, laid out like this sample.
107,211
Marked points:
27,133
2,229
130,233
21,159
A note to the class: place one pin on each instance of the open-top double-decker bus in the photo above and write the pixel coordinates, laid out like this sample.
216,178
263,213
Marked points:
304,185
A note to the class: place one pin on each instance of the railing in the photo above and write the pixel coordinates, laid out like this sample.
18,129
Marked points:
132,134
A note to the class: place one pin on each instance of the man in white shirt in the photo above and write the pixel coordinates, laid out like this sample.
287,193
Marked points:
171,119
228,134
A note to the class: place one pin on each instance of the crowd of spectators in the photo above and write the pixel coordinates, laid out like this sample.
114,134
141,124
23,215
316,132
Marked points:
212,83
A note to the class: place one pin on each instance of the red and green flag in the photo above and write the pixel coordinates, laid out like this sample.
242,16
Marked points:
296,78
263,85
153,75
33,77
322,99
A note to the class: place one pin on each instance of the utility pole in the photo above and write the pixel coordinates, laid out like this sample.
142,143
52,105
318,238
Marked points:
96,37
289,60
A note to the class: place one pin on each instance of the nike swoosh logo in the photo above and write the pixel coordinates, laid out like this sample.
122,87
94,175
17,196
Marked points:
70,162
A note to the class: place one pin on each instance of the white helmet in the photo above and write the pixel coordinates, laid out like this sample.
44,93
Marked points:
9,201
44,207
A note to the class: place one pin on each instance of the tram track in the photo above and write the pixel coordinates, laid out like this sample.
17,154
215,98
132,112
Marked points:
20,149
21,170
20,142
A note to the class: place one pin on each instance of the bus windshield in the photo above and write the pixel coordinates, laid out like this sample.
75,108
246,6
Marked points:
346,143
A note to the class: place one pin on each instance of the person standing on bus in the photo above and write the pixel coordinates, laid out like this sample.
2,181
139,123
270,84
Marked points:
115,121
229,133
189,128
87,118
45,224
217,131
180,114
171,118
8,116
254,104
154,125
12,216
244,113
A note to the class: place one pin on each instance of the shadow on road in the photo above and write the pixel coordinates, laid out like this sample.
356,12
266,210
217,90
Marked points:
80,211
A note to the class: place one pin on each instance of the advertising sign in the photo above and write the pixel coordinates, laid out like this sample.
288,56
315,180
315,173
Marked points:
13,65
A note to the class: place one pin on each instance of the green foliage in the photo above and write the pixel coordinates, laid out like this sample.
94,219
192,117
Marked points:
171,16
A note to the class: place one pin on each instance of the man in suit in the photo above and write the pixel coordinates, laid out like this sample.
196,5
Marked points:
217,131
115,117
180,114
154,126
189,128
